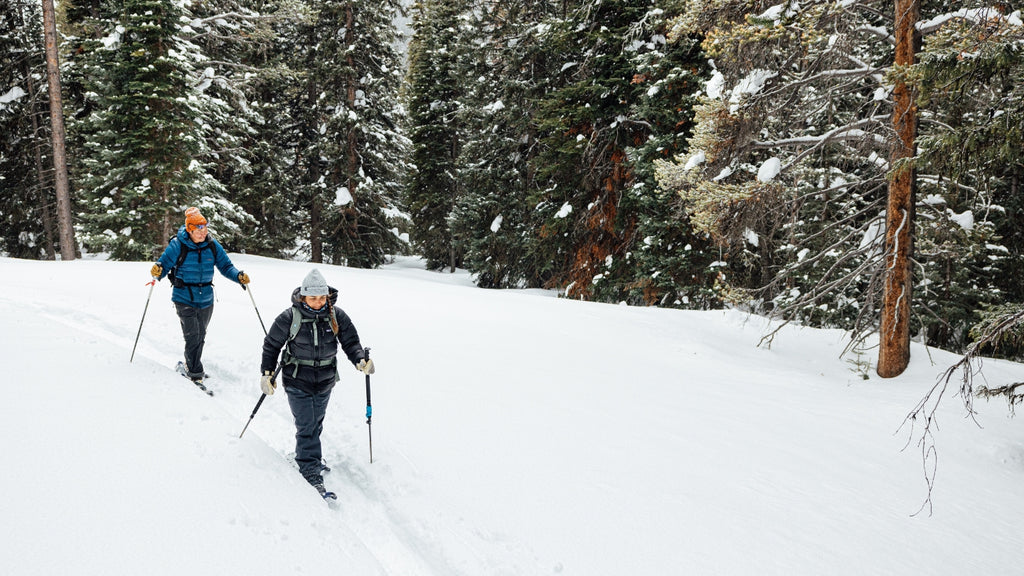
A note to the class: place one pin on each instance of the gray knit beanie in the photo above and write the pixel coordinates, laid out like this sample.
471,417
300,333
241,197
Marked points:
313,284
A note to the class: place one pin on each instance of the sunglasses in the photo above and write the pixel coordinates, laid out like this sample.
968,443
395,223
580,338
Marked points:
200,226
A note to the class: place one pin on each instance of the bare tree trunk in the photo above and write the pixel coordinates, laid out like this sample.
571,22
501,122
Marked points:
60,177
894,337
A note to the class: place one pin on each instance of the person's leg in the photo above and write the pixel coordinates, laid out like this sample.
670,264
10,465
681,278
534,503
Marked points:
309,411
194,322
205,314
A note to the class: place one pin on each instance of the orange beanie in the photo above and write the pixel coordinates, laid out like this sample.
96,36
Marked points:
193,218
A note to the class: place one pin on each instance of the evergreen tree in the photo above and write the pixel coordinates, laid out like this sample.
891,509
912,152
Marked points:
434,93
358,69
144,151
789,164
235,41
971,74
668,263
341,124
264,179
27,204
588,213
271,178
492,221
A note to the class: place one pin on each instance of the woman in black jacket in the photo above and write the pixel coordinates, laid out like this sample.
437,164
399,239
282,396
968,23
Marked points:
310,333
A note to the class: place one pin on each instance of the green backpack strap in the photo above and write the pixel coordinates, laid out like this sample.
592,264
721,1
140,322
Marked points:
296,324
287,357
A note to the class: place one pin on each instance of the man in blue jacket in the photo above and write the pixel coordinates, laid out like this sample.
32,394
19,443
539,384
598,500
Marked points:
188,261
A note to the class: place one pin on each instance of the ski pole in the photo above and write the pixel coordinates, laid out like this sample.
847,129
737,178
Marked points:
369,408
263,396
152,284
260,402
246,288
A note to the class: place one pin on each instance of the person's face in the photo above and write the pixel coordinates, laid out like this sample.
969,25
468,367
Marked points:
316,302
198,234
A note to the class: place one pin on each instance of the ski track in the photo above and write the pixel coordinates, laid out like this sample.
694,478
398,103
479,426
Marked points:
376,519
363,508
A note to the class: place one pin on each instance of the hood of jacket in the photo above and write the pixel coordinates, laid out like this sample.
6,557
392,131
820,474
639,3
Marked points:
186,239
332,299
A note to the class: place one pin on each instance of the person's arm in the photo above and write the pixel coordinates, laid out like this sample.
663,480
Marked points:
275,340
169,258
224,265
348,337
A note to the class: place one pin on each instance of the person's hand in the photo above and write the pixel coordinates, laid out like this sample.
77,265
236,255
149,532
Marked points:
365,366
243,278
267,384
156,270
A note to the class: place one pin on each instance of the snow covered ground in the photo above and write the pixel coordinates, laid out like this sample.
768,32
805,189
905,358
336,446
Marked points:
514,434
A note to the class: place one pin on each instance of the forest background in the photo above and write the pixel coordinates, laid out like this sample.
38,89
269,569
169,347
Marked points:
691,154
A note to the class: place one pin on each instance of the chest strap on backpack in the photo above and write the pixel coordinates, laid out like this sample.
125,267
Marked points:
288,358
172,273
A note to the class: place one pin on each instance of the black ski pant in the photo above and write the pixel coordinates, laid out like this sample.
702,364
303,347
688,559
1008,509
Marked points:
309,411
193,327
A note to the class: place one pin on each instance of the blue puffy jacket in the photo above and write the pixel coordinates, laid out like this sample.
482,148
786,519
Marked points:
194,277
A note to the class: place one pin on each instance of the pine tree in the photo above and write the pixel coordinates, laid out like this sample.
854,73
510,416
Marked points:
359,70
971,75
434,92
269,175
144,144
492,221
27,228
789,166
335,108
235,41
782,161
668,263
589,217
58,134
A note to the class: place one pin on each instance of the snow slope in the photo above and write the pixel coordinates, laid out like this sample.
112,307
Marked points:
514,434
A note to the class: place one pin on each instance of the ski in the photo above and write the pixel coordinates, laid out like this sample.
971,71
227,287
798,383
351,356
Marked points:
199,384
324,493
180,369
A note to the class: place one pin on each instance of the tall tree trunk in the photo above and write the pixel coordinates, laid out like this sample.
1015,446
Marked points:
67,233
894,337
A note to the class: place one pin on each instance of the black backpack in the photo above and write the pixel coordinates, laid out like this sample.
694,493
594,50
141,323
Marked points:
297,321
185,249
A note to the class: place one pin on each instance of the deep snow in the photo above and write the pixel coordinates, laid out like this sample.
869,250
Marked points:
514,433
